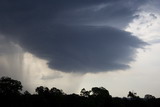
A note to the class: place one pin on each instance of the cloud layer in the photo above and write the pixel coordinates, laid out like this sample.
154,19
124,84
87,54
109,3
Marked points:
68,33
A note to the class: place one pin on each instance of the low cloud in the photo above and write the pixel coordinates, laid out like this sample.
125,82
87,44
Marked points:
68,34
84,48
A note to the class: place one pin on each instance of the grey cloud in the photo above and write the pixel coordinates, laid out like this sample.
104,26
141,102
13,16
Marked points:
52,76
56,30
116,13
83,48
21,14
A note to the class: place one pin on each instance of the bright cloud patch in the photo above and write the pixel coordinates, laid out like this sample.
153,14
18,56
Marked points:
146,26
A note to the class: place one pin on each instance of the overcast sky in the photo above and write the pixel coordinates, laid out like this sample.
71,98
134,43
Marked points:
75,44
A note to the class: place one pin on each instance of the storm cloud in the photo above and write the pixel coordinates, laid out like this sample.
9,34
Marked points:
69,33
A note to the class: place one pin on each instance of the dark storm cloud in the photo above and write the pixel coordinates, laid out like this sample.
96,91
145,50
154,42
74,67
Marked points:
85,48
56,30
27,13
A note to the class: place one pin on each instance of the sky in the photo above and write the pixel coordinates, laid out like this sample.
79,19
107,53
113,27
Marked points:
75,44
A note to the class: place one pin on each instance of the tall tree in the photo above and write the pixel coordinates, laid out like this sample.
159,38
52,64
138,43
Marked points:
10,86
85,93
100,91
56,92
41,90
132,95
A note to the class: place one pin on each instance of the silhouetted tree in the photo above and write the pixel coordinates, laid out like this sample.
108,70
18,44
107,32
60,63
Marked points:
132,95
100,92
10,86
26,93
148,96
101,97
56,92
85,93
42,90
96,97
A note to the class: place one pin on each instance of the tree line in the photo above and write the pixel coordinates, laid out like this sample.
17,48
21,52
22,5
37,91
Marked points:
11,95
